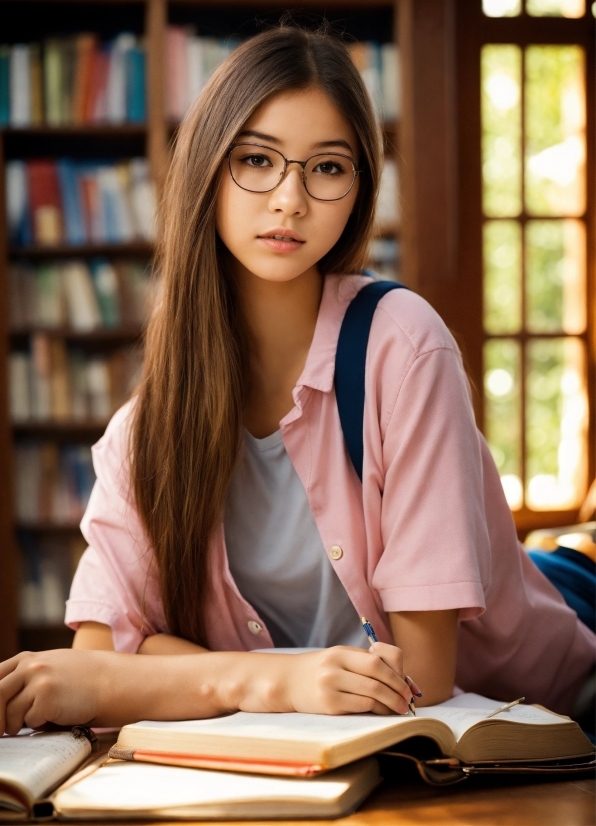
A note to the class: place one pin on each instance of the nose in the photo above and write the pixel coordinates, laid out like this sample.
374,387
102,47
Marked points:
290,196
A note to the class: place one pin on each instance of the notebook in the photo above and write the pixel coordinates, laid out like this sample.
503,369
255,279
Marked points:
307,744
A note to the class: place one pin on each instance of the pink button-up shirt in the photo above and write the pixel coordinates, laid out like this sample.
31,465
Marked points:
428,528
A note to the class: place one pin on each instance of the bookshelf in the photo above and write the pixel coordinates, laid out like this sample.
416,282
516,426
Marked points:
29,21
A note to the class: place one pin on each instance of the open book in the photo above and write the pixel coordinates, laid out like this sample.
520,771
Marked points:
306,744
32,765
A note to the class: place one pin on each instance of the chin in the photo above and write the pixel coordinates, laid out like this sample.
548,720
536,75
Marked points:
276,271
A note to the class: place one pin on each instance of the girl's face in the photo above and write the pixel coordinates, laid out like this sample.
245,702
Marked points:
297,124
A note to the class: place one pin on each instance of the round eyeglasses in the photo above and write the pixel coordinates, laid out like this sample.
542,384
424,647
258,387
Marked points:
328,176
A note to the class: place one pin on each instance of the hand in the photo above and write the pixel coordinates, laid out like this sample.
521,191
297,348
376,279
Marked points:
338,680
60,686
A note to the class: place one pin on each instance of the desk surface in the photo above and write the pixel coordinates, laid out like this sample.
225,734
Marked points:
566,803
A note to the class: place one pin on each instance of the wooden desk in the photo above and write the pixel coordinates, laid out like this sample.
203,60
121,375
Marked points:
408,801
474,803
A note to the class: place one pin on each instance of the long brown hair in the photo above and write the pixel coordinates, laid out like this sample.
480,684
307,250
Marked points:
187,421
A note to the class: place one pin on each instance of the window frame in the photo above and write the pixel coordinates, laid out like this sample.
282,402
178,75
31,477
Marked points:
473,30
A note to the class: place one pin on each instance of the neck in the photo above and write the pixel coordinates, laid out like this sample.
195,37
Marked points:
281,320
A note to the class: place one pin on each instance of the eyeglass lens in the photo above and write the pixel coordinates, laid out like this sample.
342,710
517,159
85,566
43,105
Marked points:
328,177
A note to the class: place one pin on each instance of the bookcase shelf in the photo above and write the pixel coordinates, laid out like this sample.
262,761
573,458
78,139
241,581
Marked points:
32,21
118,335
136,248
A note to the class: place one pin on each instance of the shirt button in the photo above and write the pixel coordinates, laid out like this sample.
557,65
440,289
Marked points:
254,627
335,552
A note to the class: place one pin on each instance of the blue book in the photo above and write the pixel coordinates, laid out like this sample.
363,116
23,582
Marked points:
4,85
135,85
71,202
17,203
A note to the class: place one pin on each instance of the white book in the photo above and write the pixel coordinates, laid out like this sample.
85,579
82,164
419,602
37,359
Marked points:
20,85
134,791
98,382
116,85
387,208
81,301
391,81
142,198
19,368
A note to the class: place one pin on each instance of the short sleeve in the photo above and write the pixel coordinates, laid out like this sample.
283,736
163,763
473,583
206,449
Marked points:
116,581
436,545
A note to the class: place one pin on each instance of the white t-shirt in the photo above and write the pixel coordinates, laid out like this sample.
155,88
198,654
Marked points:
276,555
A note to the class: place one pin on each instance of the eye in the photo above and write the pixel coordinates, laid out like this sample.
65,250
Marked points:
329,168
256,161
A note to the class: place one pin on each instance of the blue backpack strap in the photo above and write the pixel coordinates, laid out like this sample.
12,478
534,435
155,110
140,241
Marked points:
350,365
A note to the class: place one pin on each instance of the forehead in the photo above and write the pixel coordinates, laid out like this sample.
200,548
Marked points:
302,121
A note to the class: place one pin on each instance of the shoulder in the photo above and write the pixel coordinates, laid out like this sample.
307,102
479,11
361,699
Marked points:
408,319
111,452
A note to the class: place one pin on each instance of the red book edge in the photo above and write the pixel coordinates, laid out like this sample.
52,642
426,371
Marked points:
203,761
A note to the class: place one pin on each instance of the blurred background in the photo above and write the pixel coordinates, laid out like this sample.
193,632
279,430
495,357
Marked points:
487,209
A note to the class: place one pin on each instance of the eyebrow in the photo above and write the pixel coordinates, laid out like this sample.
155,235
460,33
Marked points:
251,133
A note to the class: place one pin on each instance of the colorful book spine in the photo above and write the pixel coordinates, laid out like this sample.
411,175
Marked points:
74,80
74,202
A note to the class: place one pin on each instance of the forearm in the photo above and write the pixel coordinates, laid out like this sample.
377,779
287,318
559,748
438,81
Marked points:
183,687
428,640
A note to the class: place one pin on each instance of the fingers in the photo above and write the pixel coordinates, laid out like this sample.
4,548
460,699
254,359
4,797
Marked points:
385,667
414,686
10,686
16,711
377,693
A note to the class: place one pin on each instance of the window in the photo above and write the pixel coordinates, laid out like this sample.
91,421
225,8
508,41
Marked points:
537,209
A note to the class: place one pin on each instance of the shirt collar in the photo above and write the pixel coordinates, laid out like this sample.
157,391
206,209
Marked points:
319,369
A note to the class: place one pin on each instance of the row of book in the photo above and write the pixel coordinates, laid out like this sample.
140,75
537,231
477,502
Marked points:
79,202
80,295
54,383
191,58
387,209
379,67
52,483
47,566
69,81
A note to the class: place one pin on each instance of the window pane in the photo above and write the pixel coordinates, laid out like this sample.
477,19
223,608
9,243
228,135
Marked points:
503,414
556,276
555,130
501,8
556,424
556,8
501,130
502,276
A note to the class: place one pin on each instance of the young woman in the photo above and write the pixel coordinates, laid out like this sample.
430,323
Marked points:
226,515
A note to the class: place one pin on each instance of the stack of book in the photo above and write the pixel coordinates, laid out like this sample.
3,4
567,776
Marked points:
83,296
379,67
47,567
71,81
274,766
53,383
52,483
52,202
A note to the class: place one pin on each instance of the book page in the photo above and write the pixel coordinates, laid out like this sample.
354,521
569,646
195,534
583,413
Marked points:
466,710
315,728
39,761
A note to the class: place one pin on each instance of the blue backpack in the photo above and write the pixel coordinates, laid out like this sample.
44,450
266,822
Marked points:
571,572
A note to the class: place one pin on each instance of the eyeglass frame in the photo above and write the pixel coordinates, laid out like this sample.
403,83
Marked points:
287,161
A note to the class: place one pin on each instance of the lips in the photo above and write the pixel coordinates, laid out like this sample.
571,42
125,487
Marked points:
283,234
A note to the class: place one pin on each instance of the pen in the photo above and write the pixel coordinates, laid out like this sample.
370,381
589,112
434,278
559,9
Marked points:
372,637
505,708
